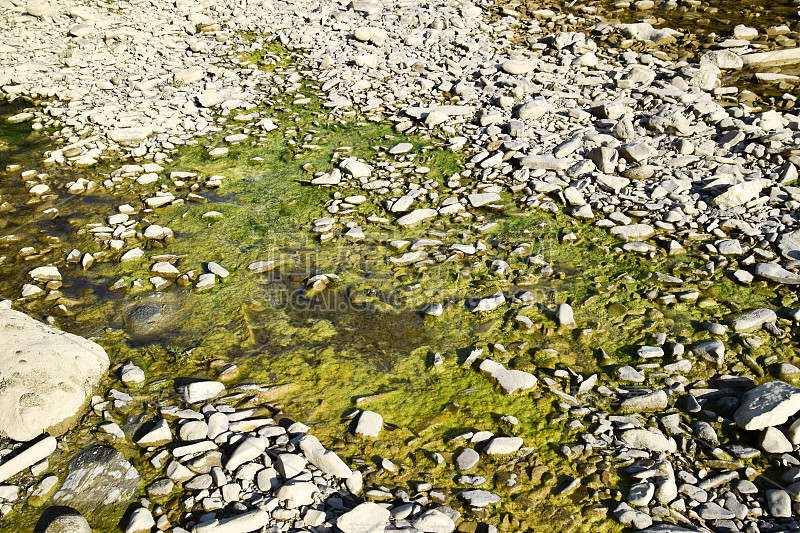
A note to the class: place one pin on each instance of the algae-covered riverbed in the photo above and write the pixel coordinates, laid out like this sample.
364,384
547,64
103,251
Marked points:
260,254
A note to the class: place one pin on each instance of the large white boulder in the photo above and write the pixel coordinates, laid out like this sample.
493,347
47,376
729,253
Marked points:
48,375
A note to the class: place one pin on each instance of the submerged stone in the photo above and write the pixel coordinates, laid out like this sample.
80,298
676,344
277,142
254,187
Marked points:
98,478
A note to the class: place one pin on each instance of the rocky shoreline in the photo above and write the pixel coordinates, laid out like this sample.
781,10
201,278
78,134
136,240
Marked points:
633,143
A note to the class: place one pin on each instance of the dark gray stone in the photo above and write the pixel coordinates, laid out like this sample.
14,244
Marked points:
98,478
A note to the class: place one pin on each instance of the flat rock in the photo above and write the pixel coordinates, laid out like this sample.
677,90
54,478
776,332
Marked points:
779,503
776,273
466,459
325,460
654,401
787,56
643,439
769,404
633,232
774,441
415,217
753,320
789,245
481,199
249,449
48,376
503,445
97,478
27,455
510,381
297,493
355,168
479,498
545,162
740,194
367,517
518,66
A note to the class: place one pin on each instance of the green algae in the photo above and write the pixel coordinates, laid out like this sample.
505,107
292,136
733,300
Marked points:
377,353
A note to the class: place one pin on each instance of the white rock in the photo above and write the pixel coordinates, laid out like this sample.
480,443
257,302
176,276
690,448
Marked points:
355,168
643,439
518,66
48,376
200,391
503,445
140,521
325,460
369,424
45,273
433,521
415,217
367,517
158,435
30,455
297,493
249,449
509,380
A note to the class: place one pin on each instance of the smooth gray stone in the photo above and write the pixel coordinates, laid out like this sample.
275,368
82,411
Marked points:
776,273
769,404
779,503
467,459
754,319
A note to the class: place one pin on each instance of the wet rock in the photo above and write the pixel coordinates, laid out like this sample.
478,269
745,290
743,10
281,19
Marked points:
48,376
146,318
489,303
98,478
